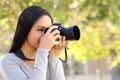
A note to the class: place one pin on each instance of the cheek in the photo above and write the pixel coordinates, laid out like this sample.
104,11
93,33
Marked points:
34,39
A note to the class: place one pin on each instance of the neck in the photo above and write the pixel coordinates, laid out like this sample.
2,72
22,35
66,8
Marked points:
28,51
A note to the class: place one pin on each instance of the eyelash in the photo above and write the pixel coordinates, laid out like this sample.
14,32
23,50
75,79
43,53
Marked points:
42,30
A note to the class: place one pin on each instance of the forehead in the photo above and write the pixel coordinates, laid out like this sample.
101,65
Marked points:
43,21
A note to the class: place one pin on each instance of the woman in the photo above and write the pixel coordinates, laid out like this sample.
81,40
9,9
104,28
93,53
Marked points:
34,54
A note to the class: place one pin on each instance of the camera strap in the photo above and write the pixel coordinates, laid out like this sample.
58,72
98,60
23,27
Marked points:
65,60
20,54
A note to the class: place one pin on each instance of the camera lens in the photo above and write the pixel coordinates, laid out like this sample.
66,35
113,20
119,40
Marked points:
71,33
76,32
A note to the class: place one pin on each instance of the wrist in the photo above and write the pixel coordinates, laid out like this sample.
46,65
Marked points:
44,48
39,50
52,55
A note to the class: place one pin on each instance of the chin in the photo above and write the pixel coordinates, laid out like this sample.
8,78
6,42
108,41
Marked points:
37,46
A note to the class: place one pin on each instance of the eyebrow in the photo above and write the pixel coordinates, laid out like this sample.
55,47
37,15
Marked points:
41,26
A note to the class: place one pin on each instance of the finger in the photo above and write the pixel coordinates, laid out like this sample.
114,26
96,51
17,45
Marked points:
56,37
56,42
50,29
54,32
60,40
66,44
56,46
63,41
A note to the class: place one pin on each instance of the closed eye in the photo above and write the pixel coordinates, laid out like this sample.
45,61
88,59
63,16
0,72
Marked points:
42,30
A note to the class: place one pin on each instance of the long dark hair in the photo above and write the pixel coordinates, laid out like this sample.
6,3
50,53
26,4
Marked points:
26,20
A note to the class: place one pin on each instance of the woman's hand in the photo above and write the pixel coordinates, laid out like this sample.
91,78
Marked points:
48,40
57,49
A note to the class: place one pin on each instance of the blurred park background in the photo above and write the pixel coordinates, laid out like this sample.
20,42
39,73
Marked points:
96,56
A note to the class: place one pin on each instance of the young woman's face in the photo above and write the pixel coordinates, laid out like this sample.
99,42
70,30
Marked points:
37,31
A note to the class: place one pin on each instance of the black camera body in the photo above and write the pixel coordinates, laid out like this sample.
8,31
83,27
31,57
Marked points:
71,33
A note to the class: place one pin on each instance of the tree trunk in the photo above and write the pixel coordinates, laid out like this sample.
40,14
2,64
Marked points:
99,70
86,71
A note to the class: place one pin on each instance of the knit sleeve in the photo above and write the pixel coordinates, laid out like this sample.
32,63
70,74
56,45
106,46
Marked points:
12,71
55,69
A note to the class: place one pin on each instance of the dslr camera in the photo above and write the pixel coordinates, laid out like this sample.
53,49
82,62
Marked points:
71,33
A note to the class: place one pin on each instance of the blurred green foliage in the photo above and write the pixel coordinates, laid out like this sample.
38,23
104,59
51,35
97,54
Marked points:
98,21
